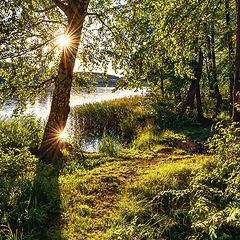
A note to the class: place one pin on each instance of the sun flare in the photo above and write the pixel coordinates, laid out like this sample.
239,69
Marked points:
63,135
63,40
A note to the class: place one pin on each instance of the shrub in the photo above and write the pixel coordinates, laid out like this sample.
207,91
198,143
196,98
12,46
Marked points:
19,132
17,171
109,144
29,194
215,211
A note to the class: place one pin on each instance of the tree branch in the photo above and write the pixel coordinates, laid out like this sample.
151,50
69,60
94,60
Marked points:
49,8
46,9
63,7
28,50
99,17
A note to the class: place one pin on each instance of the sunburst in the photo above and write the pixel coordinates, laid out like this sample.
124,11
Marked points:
63,40
63,135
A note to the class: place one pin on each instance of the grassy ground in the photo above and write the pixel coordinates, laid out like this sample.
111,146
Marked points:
163,185
93,198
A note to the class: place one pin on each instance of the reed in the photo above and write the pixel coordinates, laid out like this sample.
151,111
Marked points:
120,116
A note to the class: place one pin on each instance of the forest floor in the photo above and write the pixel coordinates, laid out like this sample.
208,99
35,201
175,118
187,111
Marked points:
93,198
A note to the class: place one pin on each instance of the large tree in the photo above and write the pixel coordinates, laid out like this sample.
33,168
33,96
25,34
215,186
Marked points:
236,84
75,12
29,54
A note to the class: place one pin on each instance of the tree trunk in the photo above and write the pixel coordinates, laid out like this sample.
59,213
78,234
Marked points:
50,146
230,50
199,101
194,88
198,73
162,87
217,93
236,86
190,97
212,69
177,96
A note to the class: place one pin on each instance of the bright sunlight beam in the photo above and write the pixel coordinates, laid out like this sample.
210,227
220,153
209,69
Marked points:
63,40
63,135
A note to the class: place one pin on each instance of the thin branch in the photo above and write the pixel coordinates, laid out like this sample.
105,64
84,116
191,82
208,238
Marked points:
49,8
29,28
28,50
63,7
103,23
51,21
94,14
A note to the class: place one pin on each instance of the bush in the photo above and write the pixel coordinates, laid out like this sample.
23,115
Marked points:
215,211
109,144
17,172
203,203
29,194
19,132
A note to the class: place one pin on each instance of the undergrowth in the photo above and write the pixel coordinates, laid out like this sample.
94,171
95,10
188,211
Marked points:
150,188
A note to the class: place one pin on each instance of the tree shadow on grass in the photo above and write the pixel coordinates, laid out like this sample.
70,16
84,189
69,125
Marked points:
44,212
29,199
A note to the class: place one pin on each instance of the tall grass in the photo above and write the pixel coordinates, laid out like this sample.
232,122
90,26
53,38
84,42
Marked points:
22,131
29,195
156,205
120,116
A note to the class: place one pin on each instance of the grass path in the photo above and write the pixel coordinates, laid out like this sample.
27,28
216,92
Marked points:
89,198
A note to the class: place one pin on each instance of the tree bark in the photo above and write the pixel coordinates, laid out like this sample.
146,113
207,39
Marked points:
217,93
50,146
177,96
162,87
236,86
198,73
190,97
230,50
212,69
194,88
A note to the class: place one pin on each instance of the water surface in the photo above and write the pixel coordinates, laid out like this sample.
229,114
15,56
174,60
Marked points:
42,106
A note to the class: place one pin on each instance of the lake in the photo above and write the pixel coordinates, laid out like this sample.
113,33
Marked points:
42,107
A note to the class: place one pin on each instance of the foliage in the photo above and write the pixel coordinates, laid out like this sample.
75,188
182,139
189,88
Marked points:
150,191
28,188
19,132
155,206
216,188
122,115
109,144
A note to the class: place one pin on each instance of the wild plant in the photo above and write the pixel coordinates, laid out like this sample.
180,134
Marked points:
215,208
22,131
110,144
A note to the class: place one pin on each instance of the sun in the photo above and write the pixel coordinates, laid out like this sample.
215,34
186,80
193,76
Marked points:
63,40
63,135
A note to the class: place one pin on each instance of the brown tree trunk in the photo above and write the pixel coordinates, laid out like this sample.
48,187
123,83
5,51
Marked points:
198,73
230,50
177,96
236,86
199,101
217,93
194,88
212,69
50,146
190,97
162,87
